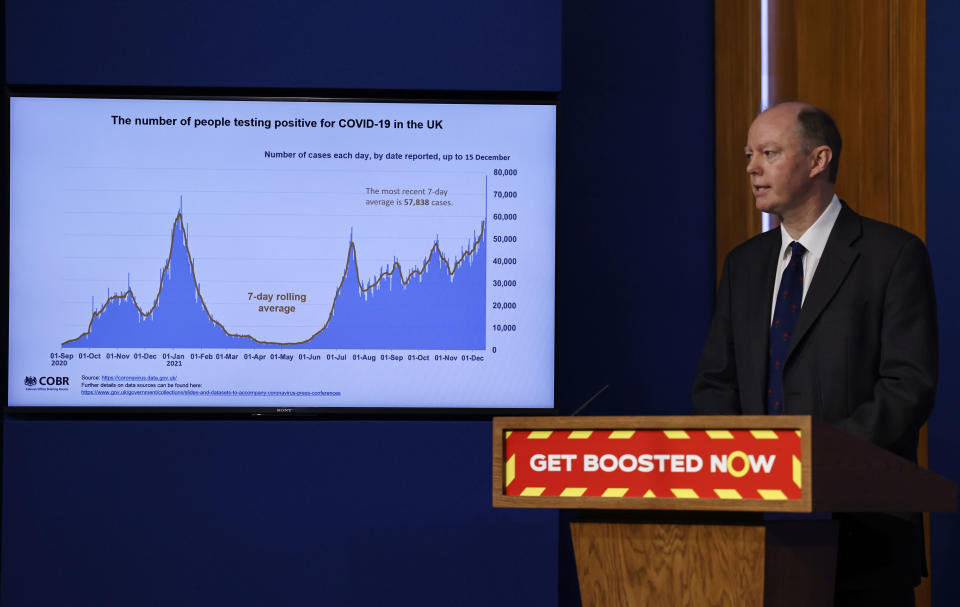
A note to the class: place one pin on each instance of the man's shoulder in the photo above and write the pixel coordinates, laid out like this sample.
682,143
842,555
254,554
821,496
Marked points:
883,232
878,239
757,246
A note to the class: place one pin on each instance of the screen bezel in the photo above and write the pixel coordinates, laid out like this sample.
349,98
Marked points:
200,412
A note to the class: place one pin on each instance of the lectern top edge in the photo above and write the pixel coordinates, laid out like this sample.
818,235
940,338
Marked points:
614,422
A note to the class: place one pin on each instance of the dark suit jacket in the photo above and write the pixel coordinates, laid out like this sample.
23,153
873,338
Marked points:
864,354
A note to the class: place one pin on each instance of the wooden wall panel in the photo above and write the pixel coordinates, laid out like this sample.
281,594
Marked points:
737,90
828,54
908,65
864,61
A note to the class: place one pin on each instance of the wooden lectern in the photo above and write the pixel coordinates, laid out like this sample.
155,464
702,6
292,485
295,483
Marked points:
676,510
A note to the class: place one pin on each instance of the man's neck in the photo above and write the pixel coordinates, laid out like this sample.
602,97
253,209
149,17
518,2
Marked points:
800,220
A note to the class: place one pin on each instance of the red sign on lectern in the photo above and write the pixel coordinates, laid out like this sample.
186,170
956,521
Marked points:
680,464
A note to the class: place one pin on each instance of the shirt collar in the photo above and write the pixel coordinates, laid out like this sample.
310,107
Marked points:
814,240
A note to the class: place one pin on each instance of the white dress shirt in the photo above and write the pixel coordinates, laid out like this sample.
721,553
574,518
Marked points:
813,240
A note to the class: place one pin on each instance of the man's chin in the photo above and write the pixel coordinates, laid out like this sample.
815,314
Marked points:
766,206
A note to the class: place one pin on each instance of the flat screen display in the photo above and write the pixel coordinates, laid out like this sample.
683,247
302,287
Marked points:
281,254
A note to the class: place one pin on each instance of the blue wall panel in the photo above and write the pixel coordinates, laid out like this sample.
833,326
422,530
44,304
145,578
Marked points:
943,217
264,513
635,227
361,44
636,222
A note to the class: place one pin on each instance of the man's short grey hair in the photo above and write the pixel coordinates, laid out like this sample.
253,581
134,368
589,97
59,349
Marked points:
817,128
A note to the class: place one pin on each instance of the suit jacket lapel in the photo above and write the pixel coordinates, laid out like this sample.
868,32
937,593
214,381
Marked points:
759,331
838,257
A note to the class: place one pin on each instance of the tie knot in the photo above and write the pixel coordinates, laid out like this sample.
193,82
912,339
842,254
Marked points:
797,248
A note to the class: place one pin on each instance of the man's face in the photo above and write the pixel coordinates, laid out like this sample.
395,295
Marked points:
778,166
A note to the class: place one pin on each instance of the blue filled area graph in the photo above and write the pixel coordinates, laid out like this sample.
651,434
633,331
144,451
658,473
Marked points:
438,305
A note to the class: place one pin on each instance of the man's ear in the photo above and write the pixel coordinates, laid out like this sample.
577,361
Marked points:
820,158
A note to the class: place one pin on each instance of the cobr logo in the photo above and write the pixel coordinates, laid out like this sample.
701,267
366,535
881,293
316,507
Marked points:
30,381
54,381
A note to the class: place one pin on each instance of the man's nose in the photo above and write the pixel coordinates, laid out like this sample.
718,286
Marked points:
753,168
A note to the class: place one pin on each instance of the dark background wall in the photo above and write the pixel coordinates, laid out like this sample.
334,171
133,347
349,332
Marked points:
943,217
636,209
247,513
333,512
635,218
361,44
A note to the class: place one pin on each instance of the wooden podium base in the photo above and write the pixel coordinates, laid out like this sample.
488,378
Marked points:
705,562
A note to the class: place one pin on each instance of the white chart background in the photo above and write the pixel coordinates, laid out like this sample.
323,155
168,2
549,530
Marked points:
93,203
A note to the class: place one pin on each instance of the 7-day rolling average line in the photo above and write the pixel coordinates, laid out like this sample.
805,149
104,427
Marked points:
351,254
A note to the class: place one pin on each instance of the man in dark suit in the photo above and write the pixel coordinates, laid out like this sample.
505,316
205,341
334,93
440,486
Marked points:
831,315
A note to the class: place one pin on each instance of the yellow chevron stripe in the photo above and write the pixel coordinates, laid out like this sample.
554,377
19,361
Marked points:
649,493
511,470
768,434
676,434
622,433
799,434
540,434
615,492
797,471
719,434
533,491
728,494
507,433
581,433
573,492
685,493
771,494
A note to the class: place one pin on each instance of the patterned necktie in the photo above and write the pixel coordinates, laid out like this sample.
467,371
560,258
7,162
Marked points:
785,316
